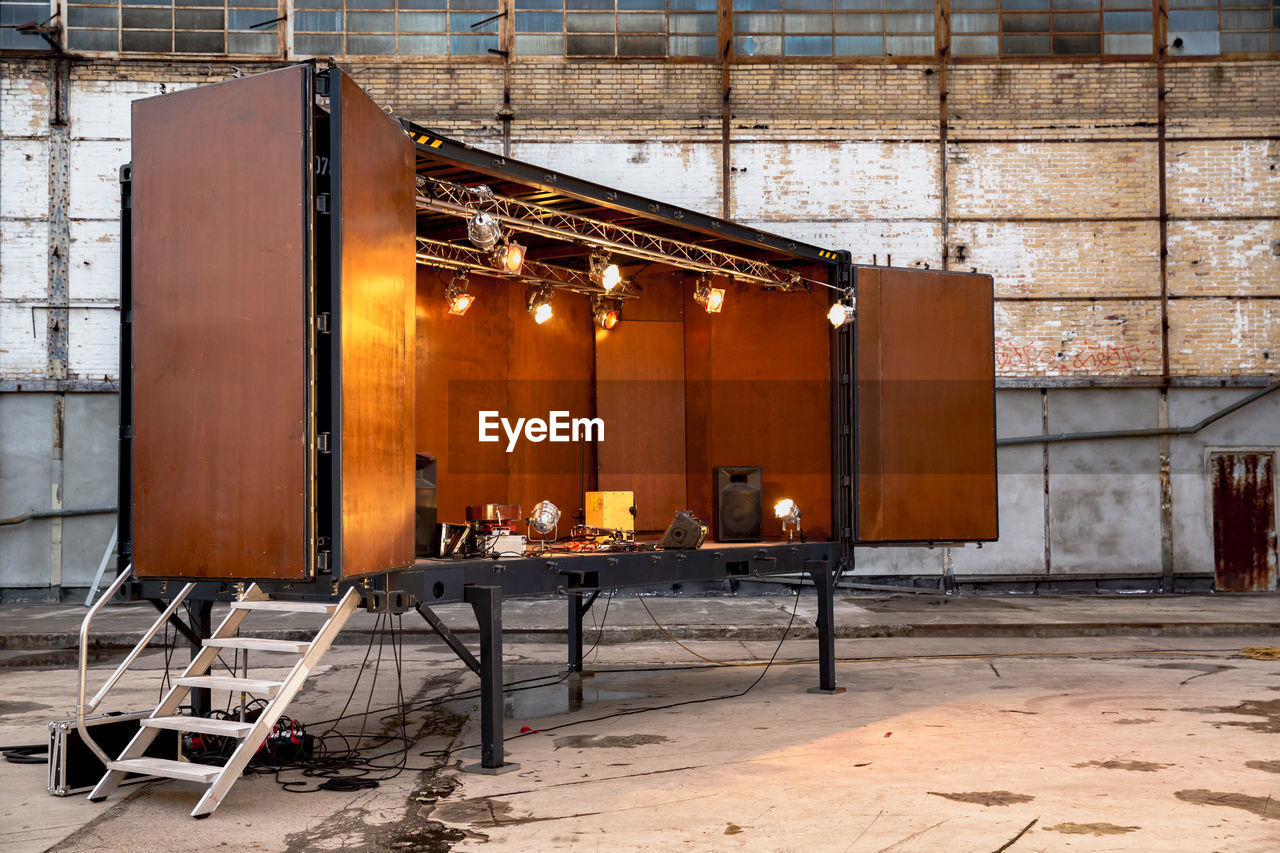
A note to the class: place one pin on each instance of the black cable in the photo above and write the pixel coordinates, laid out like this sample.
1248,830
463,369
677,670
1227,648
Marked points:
26,753
633,711
603,618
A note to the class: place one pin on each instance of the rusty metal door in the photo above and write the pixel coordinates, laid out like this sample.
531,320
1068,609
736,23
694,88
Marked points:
221,234
1244,521
926,432
373,226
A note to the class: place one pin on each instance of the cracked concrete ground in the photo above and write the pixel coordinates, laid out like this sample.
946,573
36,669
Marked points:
968,744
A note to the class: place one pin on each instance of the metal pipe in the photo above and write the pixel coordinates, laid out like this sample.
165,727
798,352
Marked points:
1154,432
142,644
57,513
82,707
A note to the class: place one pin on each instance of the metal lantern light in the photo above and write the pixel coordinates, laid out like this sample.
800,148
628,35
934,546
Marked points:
484,231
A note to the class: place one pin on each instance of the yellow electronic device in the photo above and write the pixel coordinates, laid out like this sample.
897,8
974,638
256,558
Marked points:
611,510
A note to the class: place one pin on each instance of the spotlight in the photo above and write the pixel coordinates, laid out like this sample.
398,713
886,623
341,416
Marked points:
545,517
605,315
710,298
843,310
787,510
508,256
484,231
539,305
456,295
605,272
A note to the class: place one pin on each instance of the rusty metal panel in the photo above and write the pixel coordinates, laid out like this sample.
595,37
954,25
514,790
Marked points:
374,223
220,240
1244,521
925,419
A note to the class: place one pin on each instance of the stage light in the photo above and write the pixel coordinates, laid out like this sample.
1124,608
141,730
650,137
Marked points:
508,256
483,230
545,517
842,312
710,298
605,315
540,305
457,297
605,272
787,510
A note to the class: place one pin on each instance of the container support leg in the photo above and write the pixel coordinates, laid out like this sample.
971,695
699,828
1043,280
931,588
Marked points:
577,609
486,601
824,581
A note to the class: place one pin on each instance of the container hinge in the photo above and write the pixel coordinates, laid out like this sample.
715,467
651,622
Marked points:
322,84
322,562
322,322
322,442
322,203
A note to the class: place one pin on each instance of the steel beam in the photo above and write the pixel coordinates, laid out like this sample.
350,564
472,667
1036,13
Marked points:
486,601
824,581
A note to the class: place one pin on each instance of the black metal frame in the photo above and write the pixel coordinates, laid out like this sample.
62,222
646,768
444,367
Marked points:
124,504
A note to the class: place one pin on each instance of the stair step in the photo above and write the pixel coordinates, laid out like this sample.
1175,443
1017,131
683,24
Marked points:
258,644
203,773
256,686
205,725
286,606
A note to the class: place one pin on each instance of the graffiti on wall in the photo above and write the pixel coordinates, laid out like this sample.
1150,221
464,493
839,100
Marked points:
1079,356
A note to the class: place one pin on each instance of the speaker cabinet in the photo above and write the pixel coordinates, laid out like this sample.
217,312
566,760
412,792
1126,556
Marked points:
739,504
684,531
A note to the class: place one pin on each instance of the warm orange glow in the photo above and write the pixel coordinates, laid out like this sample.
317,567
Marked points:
542,313
459,304
715,300
513,257
608,320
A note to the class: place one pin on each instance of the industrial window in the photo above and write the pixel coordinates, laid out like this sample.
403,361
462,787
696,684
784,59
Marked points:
615,27
833,28
1213,27
14,13
223,27
395,27
1051,27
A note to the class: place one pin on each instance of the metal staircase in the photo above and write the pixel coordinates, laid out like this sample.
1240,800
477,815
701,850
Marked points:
250,734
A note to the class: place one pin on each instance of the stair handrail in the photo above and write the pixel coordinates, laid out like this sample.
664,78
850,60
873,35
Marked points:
82,707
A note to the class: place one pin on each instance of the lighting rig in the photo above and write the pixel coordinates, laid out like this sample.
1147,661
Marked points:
492,219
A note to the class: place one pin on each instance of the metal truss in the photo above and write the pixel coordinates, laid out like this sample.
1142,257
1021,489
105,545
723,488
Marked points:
461,201
437,253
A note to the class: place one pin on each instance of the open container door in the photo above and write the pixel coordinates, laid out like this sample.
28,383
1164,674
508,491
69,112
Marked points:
217,394
269,305
372,230
925,413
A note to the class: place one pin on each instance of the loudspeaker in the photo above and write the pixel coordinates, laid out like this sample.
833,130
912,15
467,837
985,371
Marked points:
684,531
739,504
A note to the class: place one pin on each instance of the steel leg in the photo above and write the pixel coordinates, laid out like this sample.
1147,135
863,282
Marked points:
486,601
824,581
202,626
575,631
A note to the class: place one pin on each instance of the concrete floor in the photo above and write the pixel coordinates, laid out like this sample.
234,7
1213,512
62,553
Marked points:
1150,743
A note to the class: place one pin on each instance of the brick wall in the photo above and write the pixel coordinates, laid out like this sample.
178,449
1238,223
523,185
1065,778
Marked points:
1050,181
